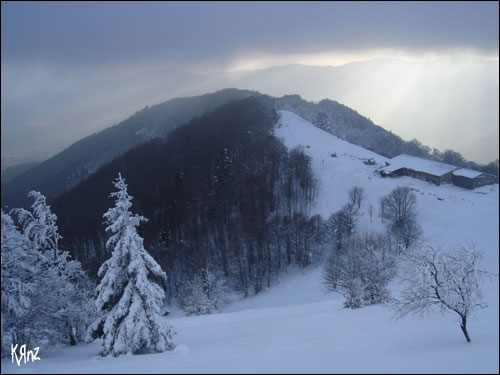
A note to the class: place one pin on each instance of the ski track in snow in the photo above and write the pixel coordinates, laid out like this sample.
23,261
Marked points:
297,326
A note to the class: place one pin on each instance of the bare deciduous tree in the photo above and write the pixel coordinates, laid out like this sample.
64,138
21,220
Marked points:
356,195
399,205
399,209
448,280
342,224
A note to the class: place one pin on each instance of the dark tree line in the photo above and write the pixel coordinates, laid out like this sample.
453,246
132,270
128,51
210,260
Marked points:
221,193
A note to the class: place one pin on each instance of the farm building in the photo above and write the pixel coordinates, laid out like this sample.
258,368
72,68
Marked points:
469,179
435,172
423,169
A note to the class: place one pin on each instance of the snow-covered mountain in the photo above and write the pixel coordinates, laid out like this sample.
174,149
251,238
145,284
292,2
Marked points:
297,326
83,158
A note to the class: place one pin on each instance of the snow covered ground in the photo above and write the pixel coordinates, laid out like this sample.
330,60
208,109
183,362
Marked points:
297,326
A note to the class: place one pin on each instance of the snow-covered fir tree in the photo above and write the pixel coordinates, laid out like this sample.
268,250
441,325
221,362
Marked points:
128,301
19,267
61,304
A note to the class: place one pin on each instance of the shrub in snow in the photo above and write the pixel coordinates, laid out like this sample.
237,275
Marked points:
361,270
128,301
203,294
447,280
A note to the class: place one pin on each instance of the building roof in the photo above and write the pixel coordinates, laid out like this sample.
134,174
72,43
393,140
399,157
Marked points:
418,164
467,173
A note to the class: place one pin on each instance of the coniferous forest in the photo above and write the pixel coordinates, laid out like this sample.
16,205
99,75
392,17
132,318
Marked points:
220,192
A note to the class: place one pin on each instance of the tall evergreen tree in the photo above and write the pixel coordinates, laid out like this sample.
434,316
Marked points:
61,304
19,266
129,302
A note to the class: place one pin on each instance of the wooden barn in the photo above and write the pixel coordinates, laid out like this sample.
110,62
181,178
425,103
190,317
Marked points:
470,179
423,169
435,172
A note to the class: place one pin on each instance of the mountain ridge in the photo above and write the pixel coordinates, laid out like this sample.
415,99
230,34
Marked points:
68,168
82,158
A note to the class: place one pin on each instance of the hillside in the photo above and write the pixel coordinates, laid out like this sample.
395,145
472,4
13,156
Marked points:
210,181
73,165
83,158
260,333
297,326
462,215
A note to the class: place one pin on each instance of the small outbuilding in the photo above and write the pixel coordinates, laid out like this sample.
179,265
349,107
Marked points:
470,179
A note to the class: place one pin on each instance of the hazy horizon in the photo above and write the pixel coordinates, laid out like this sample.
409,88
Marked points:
422,70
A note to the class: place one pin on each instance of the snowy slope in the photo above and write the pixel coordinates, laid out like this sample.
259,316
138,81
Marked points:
296,326
462,215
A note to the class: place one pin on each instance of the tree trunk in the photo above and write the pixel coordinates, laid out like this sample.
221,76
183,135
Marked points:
268,265
72,340
463,325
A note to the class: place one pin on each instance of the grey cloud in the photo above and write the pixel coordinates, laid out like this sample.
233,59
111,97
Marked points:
80,33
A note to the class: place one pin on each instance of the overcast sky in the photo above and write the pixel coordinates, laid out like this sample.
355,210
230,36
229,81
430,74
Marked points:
70,69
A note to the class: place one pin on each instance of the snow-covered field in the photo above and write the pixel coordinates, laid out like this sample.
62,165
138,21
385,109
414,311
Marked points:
296,326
